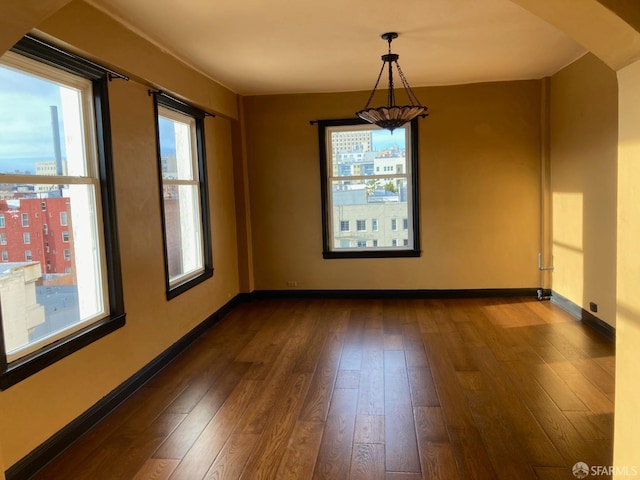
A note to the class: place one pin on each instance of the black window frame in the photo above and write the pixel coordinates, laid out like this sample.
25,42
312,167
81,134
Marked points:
412,160
15,371
161,99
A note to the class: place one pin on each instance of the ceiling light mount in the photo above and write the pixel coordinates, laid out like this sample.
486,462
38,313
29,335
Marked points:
392,116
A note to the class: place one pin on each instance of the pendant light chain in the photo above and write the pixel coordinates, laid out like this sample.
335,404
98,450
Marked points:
375,87
391,95
392,116
412,96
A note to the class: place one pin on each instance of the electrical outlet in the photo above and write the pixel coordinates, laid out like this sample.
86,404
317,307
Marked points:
292,283
593,307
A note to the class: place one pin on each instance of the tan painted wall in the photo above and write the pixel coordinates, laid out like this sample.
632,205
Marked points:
479,191
618,45
584,158
112,44
17,17
37,407
627,421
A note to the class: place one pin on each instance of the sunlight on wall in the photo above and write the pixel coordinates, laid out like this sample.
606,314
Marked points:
627,420
568,253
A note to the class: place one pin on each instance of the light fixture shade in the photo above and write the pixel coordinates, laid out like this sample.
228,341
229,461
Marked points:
391,117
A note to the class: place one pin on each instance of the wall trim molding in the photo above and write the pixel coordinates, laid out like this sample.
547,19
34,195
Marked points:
39,457
586,317
374,294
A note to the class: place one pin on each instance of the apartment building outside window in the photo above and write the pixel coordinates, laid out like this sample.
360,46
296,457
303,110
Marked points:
182,172
368,174
59,105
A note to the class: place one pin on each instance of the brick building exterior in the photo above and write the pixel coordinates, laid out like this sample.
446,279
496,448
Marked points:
39,230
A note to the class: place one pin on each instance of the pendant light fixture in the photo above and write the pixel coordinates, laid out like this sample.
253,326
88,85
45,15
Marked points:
392,116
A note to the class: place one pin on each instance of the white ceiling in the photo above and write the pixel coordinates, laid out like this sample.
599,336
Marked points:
257,47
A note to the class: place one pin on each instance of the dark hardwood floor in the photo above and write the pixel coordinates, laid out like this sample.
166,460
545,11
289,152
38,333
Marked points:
367,389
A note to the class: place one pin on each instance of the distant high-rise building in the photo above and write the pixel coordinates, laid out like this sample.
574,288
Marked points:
355,141
49,168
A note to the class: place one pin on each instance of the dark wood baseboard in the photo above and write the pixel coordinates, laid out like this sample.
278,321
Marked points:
55,445
584,316
373,294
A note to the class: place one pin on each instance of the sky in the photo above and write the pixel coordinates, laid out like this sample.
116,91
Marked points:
25,123
25,116
383,139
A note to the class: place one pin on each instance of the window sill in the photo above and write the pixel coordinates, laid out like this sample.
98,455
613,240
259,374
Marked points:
26,366
372,254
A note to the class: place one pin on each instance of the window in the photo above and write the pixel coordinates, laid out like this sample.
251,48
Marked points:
67,254
2,220
51,94
65,236
394,242
368,172
5,256
344,225
405,223
45,228
185,204
394,224
63,219
3,238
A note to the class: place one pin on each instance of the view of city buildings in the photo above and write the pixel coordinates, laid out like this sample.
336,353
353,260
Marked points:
369,195
38,284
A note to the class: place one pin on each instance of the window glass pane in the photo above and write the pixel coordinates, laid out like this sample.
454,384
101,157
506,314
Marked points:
360,150
354,206
54,283
42,121
183,231
176,145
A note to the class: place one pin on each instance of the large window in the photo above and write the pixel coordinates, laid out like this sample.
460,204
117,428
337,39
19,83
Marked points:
182,166
54,157
368,175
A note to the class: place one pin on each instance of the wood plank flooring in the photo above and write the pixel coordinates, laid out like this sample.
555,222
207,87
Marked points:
366,389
